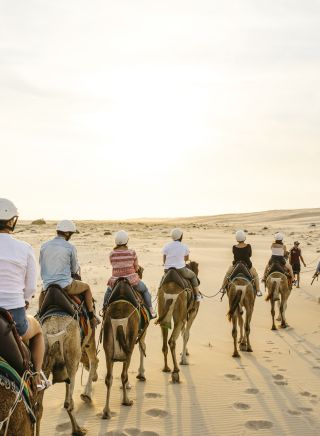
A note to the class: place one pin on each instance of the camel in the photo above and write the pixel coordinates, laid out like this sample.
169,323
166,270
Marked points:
175,301
278,290
120,334
241,294
63,354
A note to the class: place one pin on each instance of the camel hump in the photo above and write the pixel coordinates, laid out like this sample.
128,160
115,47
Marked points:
172,275
56,299
12,349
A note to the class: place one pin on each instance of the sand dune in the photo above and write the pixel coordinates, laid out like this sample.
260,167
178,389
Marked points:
274,390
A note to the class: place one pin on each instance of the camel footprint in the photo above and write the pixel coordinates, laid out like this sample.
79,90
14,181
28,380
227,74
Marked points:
157,413
241,406
152,395
138,432
259,425
232,377
252,391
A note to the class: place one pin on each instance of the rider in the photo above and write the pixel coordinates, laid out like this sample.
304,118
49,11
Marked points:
279,252
59,264
175,255
124,263
242,252
18,282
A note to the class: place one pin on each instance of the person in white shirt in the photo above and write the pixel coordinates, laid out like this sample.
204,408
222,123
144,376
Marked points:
175,255
18,285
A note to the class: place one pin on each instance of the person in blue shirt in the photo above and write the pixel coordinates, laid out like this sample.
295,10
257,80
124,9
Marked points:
59,265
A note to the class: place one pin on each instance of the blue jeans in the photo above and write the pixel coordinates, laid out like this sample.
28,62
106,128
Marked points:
20,319
140,287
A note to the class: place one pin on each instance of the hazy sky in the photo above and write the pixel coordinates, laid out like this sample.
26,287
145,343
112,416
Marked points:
131,108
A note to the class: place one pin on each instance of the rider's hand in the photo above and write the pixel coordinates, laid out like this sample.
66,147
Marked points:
26,305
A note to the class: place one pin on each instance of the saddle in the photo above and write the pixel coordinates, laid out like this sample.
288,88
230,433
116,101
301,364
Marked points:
57,301
12,349
277,267
173,275
123,290
240,270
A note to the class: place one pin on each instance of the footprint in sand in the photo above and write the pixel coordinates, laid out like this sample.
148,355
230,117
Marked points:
305,409
316,367
278,376
241,406
252,391
157,413
64,426
294,412
116,433
149,433
152,395
132,431
305,394
232,377
281,383
258,425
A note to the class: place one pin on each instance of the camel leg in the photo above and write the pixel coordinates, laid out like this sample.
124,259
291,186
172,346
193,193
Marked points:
165,349
124,379
91,352
69,403
172,343
273,312
142,349
242,340
106,414
283,308
234,335
186,334
247,328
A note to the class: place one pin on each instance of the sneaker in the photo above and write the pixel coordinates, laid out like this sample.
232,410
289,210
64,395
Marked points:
44,383
152,313
198,298
259,294
94,322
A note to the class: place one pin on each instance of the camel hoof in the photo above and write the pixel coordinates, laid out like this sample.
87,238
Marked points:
175,377
243,347
79,432
249,350
127,403
236,354
184,362
273,327
141,377
284,326
106,415
166,369
85,398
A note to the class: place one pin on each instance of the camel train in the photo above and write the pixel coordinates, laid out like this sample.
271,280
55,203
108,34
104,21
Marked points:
63,335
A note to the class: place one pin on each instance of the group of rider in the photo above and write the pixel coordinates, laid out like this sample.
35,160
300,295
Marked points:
59,266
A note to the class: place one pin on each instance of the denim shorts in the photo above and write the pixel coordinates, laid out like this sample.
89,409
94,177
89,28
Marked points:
20,319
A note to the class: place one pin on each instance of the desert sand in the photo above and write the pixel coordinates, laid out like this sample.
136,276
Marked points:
273,391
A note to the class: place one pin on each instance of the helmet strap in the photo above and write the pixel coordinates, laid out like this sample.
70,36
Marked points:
4,225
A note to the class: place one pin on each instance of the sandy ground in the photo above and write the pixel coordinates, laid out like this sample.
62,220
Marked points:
274,390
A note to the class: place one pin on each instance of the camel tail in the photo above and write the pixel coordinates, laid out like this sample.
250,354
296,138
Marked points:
273,288
166,310
121,338
234,304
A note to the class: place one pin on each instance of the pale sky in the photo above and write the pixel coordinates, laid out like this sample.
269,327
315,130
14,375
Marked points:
159,108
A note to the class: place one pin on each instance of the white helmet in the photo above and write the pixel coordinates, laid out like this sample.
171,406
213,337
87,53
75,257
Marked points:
121,238
176,234
241,236
7,210
279,236
66,226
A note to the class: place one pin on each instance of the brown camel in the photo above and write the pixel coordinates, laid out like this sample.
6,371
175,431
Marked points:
241,294
120,334
15,420
175,301
278,290
62,358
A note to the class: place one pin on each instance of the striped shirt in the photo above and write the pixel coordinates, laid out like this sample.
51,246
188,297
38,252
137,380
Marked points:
124,264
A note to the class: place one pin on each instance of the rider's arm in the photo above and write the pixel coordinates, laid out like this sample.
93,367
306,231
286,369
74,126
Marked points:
164,258
135,262
186,258
75,267
30,277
